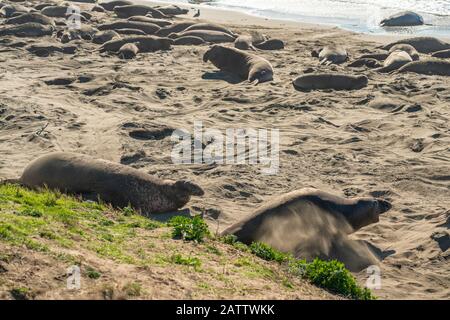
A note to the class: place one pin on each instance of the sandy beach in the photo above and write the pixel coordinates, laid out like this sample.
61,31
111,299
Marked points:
338,141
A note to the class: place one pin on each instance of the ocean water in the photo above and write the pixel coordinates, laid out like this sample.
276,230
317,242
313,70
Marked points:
356,15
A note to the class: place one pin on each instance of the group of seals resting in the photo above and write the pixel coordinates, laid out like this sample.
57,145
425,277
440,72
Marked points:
113,183
311,223
241,63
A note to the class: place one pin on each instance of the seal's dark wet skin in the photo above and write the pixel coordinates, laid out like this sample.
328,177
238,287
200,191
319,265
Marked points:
384,206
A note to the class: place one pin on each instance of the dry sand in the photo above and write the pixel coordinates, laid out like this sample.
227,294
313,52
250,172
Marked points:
331,140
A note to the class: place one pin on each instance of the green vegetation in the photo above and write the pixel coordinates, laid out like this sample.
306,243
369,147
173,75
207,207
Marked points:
186,261
266,252
189,229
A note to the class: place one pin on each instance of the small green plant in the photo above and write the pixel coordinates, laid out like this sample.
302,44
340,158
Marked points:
92,273
186,261
333,276
20,293
231,239
189,229
128,211
133,289
267,253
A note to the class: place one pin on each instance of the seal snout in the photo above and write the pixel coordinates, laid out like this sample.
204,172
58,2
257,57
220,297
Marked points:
189,187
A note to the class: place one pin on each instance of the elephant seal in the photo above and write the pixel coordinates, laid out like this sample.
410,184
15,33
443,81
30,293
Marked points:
31,17
365,62
396,60
148,28
103,36
243,64
409,49
128,51
130,32
98,8
380,56
188,41
57,11
144,43
29,29
432,66
244,43
336,81
174,28
311,223
137,10
422,44
332,54
172,10
7,11
159,22
211,27
114,183
206,35
86,32
270,44
403,19
109,6
443,54
44,50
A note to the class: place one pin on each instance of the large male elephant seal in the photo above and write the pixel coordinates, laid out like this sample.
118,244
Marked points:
110,5
336,81
148,28
432,66
206,35
144,43
30,17
137,10
243,64
396,60
421,44
29,29
114,183
403,19
310,223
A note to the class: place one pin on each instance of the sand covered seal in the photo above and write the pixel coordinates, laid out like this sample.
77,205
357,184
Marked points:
148,28
403,19
244,42
421,44
188,41
395,61
35,17
137,10
308,222
159,22
331,54
206,35
432,66
336,81
409,49
270,44
30,29
174,28
103,36
443,54
128,51
144,43
241,63
114,183
211,27
110,5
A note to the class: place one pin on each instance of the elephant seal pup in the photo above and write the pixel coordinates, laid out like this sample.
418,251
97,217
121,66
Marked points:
336,81
144,43
444,54
159,22
396,60
211,27
128,51
244,43
332,54
421,44
365,62
403,19
409,49
109,6
309,223
174,28
114,183
31,17
270,44
433,66
103,36
148,28
188,41
137,10
206,35
29,29
243,64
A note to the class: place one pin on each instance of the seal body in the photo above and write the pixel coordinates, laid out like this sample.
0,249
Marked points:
365,62
443,54
332,54
172,10
422,44
109,6
29,29
336,81
409,49
395,60
144,43
244,43
432,66
159,22
206,35
30,17
188,40
114,183
210,27
148,28
403,19
174,28
270,44
128,51
137,10
103,36
243,64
